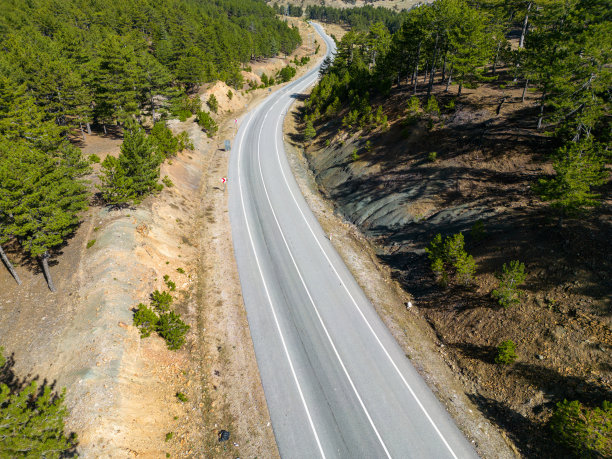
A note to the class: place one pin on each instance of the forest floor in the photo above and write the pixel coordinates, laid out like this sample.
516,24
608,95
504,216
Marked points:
121,390
390,191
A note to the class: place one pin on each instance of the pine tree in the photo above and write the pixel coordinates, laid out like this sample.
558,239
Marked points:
309,132
42,195
22,119
32,422
212,103
579,169
116,187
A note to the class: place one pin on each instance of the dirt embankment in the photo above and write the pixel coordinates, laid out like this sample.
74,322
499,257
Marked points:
121,390
402,186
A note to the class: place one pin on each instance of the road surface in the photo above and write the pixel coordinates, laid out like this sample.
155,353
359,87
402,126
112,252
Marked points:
336,382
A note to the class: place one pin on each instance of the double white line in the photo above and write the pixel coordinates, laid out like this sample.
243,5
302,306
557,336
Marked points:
297,382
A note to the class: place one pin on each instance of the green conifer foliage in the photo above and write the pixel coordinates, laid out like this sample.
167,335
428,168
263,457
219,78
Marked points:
42,196
140,161
32,423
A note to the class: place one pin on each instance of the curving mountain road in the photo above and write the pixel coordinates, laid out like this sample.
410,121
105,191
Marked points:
336,382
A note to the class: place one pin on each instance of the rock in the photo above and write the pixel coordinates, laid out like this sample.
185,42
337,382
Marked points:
122,324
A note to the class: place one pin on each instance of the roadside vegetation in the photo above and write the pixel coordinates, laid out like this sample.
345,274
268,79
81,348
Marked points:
447,111
116,67
31,417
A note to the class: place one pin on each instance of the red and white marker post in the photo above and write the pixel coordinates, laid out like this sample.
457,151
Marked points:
224,181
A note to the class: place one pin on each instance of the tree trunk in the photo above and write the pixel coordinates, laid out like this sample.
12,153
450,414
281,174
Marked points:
499,106
496,57
541,117
82,131
450,77
460,88
45,264
525,24
88,128
432,70
104,126
443,68
524,90
9,266
416,70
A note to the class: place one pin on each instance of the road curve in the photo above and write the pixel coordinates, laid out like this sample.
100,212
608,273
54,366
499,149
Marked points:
336,382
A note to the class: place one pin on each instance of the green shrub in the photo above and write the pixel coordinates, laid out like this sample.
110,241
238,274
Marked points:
450,255
432,107
161,301
91,243
32,423
506,353
206,122
146,320
171,285
309,132
167,182
182,397
180,270
588,432
230,94
93,158
213,103
432,156
172,329
287,73
413,107
355,155
507,292
169,436
184,142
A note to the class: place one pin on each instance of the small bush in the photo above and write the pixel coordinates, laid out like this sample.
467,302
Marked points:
588,432
230,94
91,243
161,301
180,270
207,123
432,156
146,320
172,329
171,285
167,182
507,292
309,132
212,103
169,436
450,256
506,353
355,155
93,158
182,397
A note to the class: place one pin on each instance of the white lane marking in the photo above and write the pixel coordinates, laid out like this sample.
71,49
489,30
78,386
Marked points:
365,410
295,378
357,306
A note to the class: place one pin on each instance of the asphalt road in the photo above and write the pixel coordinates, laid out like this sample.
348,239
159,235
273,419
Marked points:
336,382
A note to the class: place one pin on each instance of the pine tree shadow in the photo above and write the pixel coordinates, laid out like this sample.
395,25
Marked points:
531,439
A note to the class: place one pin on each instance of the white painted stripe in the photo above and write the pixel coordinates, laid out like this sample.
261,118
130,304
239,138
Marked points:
357,306
365,410
278,327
